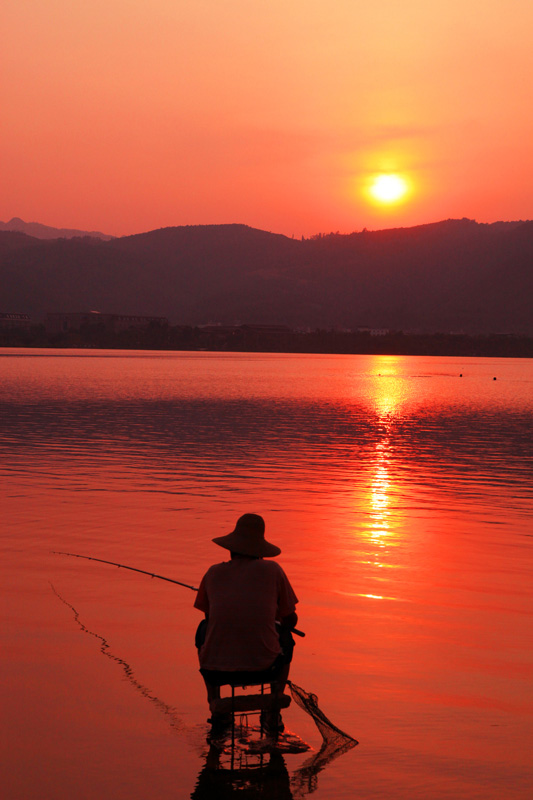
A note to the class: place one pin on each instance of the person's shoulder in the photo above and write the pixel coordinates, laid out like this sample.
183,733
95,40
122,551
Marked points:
272,566
214,568
280,573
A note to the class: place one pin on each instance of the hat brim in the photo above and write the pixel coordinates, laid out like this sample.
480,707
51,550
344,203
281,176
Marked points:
237,543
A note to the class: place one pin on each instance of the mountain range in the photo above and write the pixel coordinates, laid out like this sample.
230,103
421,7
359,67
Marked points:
40,231
455,275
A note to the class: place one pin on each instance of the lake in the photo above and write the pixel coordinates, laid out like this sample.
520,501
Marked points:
400,491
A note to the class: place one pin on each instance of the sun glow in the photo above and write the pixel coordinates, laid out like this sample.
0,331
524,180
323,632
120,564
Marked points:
388,189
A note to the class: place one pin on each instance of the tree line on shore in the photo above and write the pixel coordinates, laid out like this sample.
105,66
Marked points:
275,340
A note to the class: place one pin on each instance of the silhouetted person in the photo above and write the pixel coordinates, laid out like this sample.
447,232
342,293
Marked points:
242,600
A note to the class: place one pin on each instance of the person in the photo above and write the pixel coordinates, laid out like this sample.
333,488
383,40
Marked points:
250,610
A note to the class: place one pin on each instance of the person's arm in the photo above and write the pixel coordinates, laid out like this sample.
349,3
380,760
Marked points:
287,600
290,621
202,600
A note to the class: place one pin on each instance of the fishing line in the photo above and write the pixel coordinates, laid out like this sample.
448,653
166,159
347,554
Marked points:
105,649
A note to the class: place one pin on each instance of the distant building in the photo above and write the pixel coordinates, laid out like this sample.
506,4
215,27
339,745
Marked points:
9,320
123,322
220,330
373,331
58,322
226,330
265,328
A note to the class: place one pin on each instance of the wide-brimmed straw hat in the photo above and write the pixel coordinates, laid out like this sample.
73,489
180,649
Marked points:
248,538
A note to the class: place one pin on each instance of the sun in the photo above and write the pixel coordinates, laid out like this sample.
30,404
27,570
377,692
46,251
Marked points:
387,188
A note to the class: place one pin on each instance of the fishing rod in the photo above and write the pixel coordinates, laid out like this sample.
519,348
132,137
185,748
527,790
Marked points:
144,572
123,566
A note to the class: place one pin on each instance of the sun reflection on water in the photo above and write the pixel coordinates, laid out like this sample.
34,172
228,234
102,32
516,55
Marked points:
388,396
381,533
380,496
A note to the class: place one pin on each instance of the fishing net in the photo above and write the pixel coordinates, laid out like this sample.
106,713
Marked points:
335,743
307,701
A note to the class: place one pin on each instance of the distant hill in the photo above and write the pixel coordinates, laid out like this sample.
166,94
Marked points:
455,275
40,231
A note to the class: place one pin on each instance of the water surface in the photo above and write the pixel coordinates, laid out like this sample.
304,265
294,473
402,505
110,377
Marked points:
399,489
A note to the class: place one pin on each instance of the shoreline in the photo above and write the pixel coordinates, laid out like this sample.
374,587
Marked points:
249,340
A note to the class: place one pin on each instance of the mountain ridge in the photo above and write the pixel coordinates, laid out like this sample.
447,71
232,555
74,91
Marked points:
453,275
40,231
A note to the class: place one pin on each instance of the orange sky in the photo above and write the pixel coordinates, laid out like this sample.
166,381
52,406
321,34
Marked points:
129,115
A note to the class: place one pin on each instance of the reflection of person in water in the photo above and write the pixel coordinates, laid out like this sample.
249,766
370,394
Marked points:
268,779
250,609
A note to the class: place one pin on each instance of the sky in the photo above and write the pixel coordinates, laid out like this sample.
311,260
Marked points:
128,115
